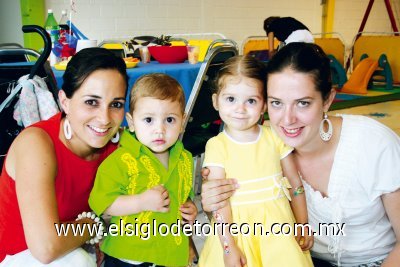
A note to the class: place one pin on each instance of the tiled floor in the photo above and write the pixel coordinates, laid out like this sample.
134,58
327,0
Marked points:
387,113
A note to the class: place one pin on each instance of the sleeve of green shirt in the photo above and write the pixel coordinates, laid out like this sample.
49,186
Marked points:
111,182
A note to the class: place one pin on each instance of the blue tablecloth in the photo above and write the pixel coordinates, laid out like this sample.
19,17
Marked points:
184,73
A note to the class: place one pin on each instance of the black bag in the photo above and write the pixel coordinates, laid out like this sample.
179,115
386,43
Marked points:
9,127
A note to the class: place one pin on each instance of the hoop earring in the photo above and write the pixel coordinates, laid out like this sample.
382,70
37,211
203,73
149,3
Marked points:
67,129
325,136
115,139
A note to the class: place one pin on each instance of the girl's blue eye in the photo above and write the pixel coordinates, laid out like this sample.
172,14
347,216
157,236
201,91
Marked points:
230,99
252,101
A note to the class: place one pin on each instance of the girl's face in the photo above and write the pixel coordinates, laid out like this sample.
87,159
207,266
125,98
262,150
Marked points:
240,105
296,108
96,110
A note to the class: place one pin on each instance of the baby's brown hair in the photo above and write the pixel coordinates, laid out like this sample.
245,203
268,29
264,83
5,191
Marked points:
159,86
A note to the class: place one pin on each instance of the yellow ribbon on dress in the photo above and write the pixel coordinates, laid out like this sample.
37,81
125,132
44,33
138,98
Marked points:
284,186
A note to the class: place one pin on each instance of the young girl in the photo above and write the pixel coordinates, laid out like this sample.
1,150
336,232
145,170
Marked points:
261,204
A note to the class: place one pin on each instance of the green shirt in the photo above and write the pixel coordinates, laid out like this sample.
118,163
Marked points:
133,169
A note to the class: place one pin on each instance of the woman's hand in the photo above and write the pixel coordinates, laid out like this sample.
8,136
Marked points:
215,193
305,241
188,211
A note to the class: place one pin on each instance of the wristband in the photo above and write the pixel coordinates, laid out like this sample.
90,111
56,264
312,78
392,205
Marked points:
298,191
99,230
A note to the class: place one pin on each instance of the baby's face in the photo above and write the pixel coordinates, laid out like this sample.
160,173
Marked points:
157,123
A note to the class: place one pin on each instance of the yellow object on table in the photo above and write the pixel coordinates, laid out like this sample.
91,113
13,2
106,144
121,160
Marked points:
131,62
61,65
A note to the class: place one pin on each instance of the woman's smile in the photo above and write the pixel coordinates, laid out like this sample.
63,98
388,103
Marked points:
293,132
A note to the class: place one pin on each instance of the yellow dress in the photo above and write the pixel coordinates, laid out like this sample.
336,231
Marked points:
259,205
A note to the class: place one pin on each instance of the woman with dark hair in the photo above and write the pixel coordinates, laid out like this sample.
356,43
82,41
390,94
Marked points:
349,164
286,30
51,166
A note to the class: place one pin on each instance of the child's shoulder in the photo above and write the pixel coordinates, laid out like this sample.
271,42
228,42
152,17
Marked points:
220,138
268,131
113,158
269,136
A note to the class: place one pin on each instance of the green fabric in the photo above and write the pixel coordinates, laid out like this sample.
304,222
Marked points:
33,12
132,169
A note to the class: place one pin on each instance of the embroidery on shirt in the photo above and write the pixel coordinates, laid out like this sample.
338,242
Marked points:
154,179
184,185
185,181
133,173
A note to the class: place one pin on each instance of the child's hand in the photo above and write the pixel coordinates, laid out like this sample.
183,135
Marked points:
156,199
306,241
188,211
235,258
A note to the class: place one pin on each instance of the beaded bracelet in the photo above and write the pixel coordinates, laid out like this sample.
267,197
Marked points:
99,230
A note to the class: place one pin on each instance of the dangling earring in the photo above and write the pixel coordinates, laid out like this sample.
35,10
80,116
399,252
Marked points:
67,129
325,136
115,139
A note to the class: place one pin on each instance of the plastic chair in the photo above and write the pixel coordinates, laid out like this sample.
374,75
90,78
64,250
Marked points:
257,46
333,44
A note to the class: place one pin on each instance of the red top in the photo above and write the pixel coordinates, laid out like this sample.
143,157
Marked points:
73,183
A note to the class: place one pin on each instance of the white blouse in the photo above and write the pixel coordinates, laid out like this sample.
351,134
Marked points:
366,166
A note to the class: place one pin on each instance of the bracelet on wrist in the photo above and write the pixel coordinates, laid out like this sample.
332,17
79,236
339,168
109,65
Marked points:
298,191
99,230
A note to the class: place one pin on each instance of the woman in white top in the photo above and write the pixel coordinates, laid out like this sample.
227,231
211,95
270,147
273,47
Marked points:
350,165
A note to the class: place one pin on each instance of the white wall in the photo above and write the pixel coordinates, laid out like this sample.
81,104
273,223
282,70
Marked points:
349,15
10,22
236,19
